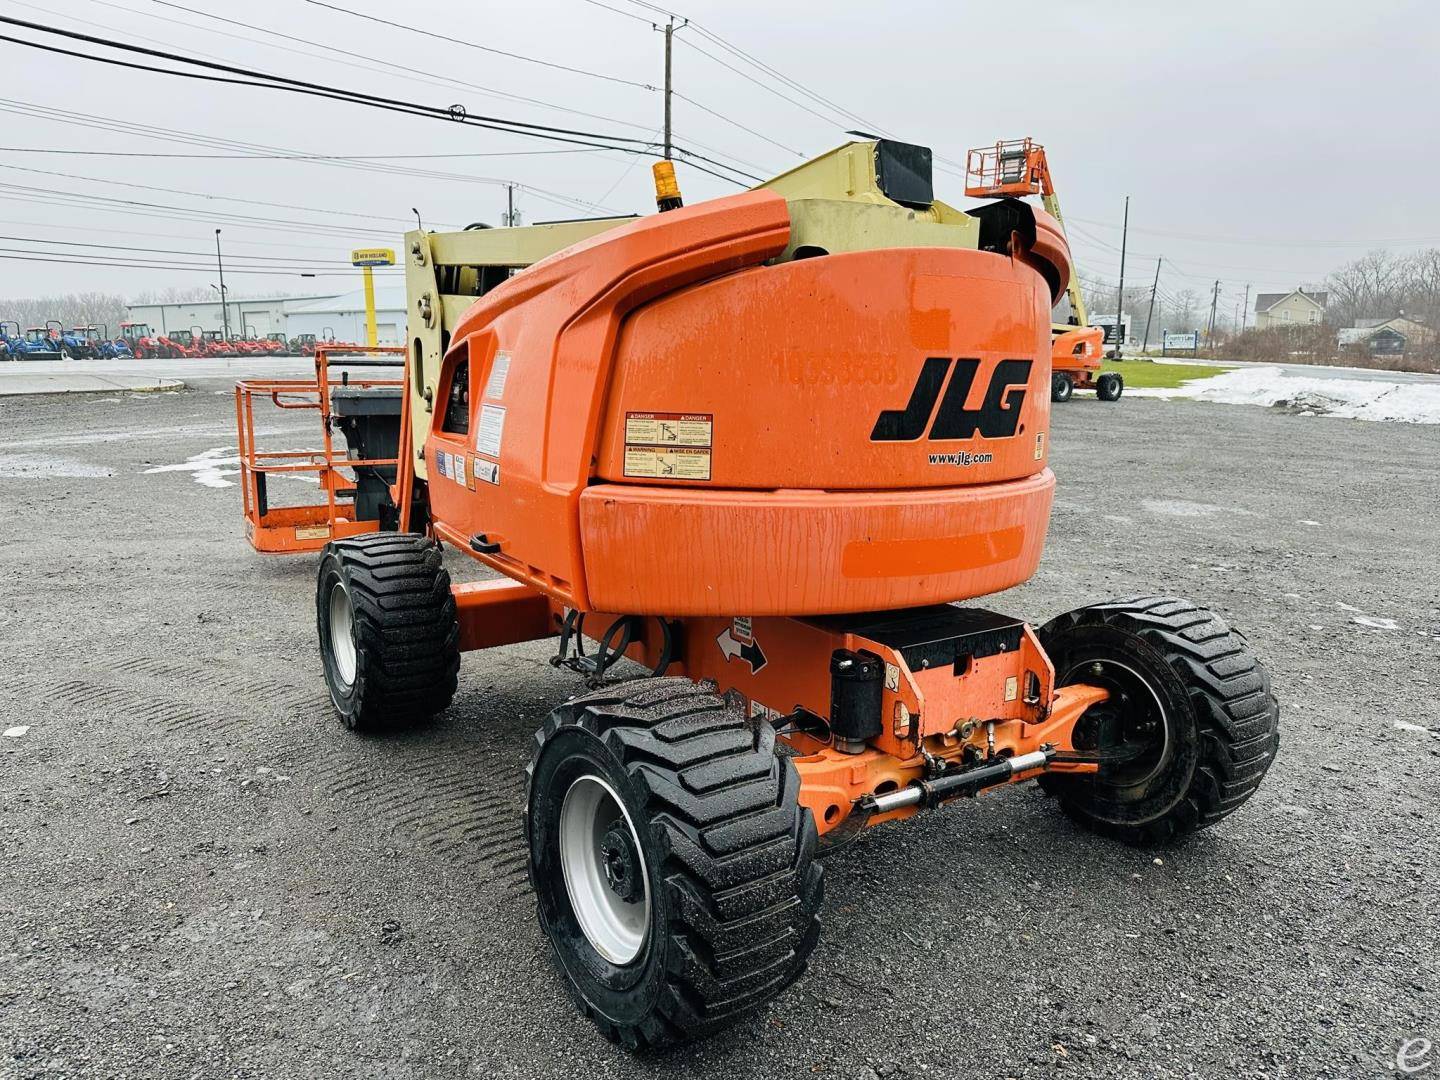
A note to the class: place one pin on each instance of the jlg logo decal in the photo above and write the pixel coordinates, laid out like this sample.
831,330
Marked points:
997,417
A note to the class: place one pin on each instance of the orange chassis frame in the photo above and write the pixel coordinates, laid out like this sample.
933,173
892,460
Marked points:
986,710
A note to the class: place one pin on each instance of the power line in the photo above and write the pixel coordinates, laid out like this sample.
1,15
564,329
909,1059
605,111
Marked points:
207,267
103,123
203,195
268,259
249,77
736,123
267,80
151,234
50,197
617,11
482,48
1211,238
281,157
367,62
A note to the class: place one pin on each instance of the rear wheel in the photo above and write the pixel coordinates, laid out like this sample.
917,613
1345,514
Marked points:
1190,728
389,638
1062,386
671,860
1109,387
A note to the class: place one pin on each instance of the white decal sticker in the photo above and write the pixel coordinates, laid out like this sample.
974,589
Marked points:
499,372
487,471
492,430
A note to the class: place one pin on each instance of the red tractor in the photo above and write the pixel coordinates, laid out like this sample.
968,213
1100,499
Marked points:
143,341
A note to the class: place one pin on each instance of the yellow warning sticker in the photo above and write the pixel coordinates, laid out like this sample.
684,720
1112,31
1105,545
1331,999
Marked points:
668,463
669,429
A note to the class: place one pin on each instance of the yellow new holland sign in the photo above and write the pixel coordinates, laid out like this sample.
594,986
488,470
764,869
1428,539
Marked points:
372,257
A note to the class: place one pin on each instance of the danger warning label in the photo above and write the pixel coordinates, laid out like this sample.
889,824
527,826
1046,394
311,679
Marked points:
669,463
669,429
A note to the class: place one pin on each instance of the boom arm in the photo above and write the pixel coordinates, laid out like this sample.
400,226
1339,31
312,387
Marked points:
1016,168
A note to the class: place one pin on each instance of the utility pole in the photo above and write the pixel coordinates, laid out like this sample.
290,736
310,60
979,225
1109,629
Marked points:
669,31
1120,300
1151,313
510,205
224,308
1214,300
1245,309
669,40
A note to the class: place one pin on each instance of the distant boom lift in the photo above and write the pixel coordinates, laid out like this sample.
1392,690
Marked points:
1014,169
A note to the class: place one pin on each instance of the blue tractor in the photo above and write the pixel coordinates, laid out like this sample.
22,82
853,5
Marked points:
72,346
95,342
39,344
9,337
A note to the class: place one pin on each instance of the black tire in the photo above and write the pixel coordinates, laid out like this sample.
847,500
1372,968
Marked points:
1062,387
396,596
1196,707
732,887
1109,387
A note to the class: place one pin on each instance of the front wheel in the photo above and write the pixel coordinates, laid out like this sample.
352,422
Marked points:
389,638
1062,386
672,862
1109,387
1190,727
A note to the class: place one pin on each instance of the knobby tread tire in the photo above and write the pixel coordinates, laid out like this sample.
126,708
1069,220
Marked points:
1229,697
407,637
728,842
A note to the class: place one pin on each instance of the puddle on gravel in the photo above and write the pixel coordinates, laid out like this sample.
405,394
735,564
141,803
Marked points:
39,466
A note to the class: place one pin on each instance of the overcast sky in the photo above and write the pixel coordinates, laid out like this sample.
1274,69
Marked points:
1262,142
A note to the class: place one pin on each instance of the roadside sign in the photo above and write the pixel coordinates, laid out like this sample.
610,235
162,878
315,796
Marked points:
1176,342
372,257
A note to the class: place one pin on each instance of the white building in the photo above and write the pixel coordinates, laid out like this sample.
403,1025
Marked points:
343,317
264,315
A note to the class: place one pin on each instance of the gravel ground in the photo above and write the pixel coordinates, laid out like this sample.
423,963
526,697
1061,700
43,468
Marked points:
203,875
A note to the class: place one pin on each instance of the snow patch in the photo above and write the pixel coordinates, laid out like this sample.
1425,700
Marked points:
16,732
1376,623
1419,729
210,467
1359,399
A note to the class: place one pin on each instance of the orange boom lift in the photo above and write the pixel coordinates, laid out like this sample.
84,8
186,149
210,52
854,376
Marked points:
1014,169
749,463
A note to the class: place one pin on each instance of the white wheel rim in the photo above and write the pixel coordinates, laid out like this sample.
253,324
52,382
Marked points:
616,928
342,634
